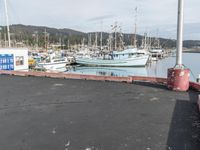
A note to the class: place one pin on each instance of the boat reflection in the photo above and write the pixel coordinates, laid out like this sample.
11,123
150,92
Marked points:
108,71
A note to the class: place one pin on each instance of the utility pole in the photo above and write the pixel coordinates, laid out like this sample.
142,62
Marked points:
179,45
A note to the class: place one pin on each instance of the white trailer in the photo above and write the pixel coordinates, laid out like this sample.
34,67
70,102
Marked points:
14,59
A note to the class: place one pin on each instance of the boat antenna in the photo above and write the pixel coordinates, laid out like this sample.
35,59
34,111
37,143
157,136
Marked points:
7,23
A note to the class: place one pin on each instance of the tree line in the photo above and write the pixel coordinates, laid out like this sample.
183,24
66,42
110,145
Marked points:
42,36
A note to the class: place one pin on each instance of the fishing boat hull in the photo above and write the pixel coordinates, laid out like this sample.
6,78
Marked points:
53,66
127,62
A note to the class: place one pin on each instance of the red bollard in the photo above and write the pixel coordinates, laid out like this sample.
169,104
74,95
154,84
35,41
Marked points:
178,79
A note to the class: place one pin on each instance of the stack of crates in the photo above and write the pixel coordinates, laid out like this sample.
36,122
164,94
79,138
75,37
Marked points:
6,62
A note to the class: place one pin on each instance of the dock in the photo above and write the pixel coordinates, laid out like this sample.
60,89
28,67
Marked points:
40,113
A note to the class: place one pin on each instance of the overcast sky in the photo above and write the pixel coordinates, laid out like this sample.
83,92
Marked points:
157,17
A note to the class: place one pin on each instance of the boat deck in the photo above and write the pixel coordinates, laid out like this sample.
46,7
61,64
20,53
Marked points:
59,114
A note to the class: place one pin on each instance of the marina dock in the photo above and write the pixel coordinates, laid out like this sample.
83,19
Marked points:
65,114
144,95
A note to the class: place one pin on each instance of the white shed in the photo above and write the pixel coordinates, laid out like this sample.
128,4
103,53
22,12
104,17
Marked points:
14,59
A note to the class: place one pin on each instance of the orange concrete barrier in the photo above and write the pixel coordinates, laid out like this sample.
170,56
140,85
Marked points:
130,79
150,79
67,76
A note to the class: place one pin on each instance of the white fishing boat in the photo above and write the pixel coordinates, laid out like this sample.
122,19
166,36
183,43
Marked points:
156,50
156,53
54,62
125,58
119,57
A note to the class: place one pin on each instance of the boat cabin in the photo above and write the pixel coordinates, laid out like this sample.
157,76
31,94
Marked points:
128,53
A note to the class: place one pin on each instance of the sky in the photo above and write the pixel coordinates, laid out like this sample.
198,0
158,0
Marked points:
156,17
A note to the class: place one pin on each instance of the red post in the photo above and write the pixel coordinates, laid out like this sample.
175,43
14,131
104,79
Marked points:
178,79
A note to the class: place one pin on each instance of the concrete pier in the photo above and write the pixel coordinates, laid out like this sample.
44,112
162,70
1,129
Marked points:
38,113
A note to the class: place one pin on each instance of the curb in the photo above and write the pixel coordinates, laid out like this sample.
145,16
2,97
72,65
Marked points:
130,79
153,80
67,76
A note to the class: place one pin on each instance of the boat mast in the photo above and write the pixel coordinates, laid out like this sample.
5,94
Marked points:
114,29
115,35
36,39
96,40
101,36
157,38
89,40
110,42
121,45
135,36
7,23
145,40
45,39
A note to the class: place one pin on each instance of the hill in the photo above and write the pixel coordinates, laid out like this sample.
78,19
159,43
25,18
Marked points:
29,35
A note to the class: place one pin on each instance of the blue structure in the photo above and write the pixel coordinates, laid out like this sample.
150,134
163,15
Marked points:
6,62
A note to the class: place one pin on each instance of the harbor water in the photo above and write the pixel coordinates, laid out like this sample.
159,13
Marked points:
155,69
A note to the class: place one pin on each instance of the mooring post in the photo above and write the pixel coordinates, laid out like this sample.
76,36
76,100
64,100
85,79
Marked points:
178,77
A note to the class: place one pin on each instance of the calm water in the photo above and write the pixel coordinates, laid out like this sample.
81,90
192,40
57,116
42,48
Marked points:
158,69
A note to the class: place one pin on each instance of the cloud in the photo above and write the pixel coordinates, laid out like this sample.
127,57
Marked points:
84,15
101,18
